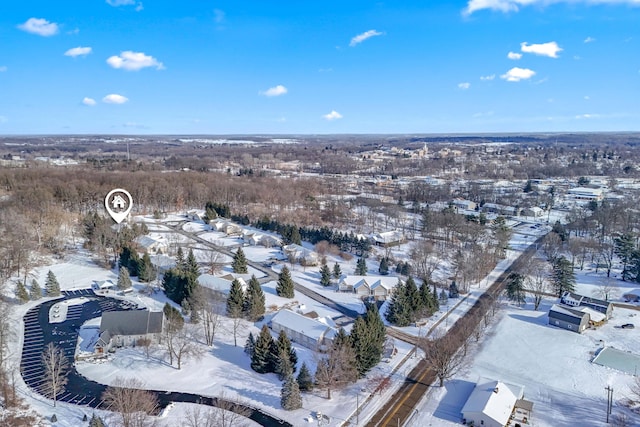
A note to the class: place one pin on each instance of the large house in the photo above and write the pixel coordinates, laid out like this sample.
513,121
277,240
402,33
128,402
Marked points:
301,254
378,287
388,238
125,328
569,318
154,245
311,333
576,300
222,284
496,404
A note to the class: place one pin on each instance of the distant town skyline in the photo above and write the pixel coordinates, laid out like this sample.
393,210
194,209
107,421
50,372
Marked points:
256,67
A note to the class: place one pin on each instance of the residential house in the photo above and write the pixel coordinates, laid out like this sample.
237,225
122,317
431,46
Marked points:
534,211
462,204
125,328
586,194
153,245
576,300
377,287
301,254
569,318
255,238
222,284
496,404
196,215
225,226
388,238
310,333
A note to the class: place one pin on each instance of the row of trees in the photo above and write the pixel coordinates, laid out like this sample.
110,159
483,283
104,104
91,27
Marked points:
410,303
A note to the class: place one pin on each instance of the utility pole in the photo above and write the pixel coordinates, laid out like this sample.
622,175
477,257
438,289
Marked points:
609,401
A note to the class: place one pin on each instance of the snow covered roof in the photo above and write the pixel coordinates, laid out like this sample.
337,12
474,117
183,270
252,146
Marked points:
303,325
596,316
219,284
568,311
495,399
372,282
131,322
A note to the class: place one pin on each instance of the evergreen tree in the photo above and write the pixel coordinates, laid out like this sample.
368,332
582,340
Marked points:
239,264
51,285
400,308
361,267
260,360
443,298
325,276
21,292
384,266
250,345
337,271
290,397
515,288
96,421
254,304
146,272
284,288
284,347
181,264
411,295
124,281
427,300
283,366
562,276
129,258
625,248
35,291
235,300
305,380
367,344
192,267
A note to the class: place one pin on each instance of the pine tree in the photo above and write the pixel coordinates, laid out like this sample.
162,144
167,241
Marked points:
51,285
337,271
180,262
400,308
21,292
515,288
427,300
250,345
192,267
325,276
254,304
624,248
239,264
260,360
411,294
361,267
96,421
367,339
305,380
235,300
563,278
384,266
129,258
284,346
146,272
124,281
290,397
283,366
35,291
284,288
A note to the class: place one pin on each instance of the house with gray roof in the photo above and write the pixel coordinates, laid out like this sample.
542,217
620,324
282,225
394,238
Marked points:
125,328
569,318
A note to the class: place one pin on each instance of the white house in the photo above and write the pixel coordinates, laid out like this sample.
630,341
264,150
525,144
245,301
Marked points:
225,226
584,193
495,404
534,211
126,328
311,333
153,245
221,284
378,287
388,238
302,255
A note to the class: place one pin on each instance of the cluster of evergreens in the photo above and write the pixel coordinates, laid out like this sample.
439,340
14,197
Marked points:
249,304
180,282
271,355
367,339
409,303
136,266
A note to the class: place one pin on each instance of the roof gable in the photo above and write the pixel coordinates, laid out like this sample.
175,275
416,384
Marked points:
131,322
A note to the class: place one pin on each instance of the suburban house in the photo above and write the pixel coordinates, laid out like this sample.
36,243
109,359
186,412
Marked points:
104,285
587,194
225,226
222,284
388,238
569,318
496,404
576,300
462,204
300,254
255,238
378,287
534,211
125,328
196,215
308,332
153,245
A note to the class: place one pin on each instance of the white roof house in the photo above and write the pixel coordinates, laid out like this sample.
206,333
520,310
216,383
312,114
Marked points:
584,193
220,284
153,244
491,403
301,254
311,333
379,287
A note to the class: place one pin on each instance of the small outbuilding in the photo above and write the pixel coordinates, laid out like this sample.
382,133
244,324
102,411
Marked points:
568,318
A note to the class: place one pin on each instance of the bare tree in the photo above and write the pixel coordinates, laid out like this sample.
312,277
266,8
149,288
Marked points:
130,403
536,281
215,261
237,323
212,308
552,246
56,366
336,369
607,289
443,356
226,413
185,346
425,260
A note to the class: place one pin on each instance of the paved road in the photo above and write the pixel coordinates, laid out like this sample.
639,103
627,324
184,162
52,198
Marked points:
79,390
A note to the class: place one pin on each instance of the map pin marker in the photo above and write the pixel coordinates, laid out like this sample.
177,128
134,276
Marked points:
118,203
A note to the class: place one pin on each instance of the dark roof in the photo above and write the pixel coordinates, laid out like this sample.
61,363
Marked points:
131,322
567,314
524,404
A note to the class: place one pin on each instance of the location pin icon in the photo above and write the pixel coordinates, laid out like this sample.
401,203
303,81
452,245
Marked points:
118,203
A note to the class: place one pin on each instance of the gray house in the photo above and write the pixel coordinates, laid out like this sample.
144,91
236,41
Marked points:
125,328
568,318
576,300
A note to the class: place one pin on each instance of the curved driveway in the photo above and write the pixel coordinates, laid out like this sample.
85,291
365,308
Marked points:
38,332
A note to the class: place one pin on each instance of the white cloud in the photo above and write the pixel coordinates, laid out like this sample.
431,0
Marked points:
3,68
515,5
516,74
589,40
114,98
333,115
78,51
134,61
464,85
275,91
489,77
549,49
89,101
39,26
139,7
364,36
514,55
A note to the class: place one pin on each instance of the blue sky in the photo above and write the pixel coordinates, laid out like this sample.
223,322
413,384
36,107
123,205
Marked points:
266,67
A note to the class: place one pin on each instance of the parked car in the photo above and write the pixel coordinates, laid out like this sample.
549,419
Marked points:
627,326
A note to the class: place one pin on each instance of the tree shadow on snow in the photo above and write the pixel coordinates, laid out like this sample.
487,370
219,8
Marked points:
450,406
539,320
270,400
